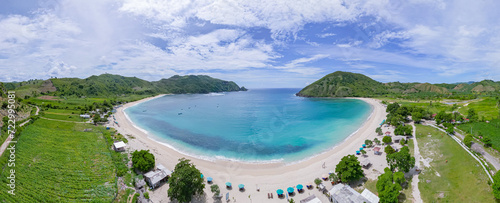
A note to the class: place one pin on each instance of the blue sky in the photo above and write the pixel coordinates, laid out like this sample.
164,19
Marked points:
254,43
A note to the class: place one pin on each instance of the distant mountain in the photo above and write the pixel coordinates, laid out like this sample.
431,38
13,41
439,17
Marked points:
346,84
108,85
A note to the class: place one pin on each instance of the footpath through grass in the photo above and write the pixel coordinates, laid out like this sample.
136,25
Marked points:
453,175
59,162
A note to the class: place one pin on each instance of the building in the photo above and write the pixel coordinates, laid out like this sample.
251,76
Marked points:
311,199
341,193
398,138
365,163
376,150
86,116
157,177
119,146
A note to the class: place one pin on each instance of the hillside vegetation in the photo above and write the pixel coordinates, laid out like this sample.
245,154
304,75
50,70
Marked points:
116,85
346,84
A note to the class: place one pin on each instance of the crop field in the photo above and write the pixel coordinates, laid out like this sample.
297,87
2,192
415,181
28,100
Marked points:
63,114
490,130
59,162
485,108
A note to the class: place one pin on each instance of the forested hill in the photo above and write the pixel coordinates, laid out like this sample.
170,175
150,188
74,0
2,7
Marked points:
114,85
346,84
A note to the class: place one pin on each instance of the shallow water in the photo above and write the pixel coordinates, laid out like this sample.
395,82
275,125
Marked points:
259,125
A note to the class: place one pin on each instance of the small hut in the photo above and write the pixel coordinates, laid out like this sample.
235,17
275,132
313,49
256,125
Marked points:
376,150
119,146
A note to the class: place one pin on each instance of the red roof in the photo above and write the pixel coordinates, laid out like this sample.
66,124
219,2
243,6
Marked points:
434,115
387,132
376,149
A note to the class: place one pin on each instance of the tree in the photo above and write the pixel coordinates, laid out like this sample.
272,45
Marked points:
143,160
317,181
496,185
487,142
379,131
185,182
363,152
417,117
468,140
472,115
377,141
389,150
402,160
349,169
333,177
391,108
368,143
215,189
291,200
399,177
388,191
387,139
402,142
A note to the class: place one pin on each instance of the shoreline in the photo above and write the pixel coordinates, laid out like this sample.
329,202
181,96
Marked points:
265,176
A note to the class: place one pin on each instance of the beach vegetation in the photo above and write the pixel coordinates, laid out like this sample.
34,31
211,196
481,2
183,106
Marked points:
349,169
403,130
317,181
387,139
368,143
389,150
402,142
334,178
291,200
377,141
146,195
402,160
363,152
215,189
388,190
185,182
378,130
143,160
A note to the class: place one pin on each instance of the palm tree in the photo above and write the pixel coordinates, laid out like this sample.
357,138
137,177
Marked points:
333,178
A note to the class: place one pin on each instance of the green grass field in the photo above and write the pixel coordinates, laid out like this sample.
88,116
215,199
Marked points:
490,130
485,108
453,175
58,162
63,114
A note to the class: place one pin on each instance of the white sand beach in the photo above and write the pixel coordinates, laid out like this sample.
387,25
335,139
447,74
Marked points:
267,177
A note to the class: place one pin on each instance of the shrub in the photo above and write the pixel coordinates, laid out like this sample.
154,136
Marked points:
468,140
146,195
389,150
387,139
143,160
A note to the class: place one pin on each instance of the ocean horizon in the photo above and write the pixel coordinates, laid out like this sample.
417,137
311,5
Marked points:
257,126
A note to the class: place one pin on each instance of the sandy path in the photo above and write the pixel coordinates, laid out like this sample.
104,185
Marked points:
414,183
268,177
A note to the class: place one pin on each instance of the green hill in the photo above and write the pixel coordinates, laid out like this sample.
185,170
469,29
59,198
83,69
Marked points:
116,85
344,84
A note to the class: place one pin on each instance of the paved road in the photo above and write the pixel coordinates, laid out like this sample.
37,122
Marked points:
479,148
7,141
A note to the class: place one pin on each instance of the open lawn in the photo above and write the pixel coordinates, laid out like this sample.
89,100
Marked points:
59,162
63,114
453,175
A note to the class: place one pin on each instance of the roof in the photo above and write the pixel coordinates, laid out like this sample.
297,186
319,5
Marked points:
345,194
370,196
376,149
157,175
119,144
365,162
399,137
311,199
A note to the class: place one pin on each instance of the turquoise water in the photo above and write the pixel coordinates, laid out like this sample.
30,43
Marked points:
258,125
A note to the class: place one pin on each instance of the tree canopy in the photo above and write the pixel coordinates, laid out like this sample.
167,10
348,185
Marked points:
402,160
349,169
143,160
389,150
185,182
388,191
387,139
468,140
496,185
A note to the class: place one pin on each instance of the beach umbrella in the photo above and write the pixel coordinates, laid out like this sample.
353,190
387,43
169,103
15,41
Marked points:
279,191
241,186
361,148
209,179
299,187
357,152
290,190
228,184
202,175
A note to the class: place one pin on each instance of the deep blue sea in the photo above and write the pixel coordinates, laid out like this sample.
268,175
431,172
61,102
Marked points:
259,125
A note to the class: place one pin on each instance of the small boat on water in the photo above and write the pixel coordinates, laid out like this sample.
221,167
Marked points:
179,113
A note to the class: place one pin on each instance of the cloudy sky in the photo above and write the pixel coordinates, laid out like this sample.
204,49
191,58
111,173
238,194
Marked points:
266,43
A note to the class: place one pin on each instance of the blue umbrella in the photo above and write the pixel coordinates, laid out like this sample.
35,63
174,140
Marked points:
300,186
241,186
361,148
279,191
364,145
357,152
209,179
290,190
228,184
202,175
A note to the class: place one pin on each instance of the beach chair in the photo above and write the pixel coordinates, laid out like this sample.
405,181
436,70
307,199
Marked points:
268,196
